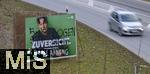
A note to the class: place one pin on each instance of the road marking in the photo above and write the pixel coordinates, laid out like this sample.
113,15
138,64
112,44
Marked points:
111,9
90,3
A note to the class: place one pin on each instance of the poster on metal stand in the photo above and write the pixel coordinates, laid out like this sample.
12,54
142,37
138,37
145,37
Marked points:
52,36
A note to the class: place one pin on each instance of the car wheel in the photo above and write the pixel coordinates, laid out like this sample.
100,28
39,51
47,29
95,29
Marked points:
120,32
110,27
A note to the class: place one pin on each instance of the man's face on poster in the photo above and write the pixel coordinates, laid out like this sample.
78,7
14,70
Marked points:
42,26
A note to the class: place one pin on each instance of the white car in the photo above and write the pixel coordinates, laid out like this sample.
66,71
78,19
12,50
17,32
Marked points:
125,23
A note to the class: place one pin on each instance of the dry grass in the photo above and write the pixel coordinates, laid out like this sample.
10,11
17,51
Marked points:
97,54
147,0
7,10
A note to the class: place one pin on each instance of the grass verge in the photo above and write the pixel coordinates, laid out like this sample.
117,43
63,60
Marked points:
147,0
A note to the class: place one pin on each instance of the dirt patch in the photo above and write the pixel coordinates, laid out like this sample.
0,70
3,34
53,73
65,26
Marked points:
8,9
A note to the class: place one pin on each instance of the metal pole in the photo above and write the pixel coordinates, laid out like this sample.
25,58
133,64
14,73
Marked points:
105,61
66,9
140,44
136,69
137,66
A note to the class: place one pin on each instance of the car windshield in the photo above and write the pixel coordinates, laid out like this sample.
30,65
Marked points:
128,18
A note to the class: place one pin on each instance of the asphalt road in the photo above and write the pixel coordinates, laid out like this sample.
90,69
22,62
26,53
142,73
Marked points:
138,6
133,5
97,17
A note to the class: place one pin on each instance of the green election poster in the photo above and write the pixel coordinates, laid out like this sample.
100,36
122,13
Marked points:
56,34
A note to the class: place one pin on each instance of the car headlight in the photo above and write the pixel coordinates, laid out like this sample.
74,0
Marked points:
141,29
125,28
